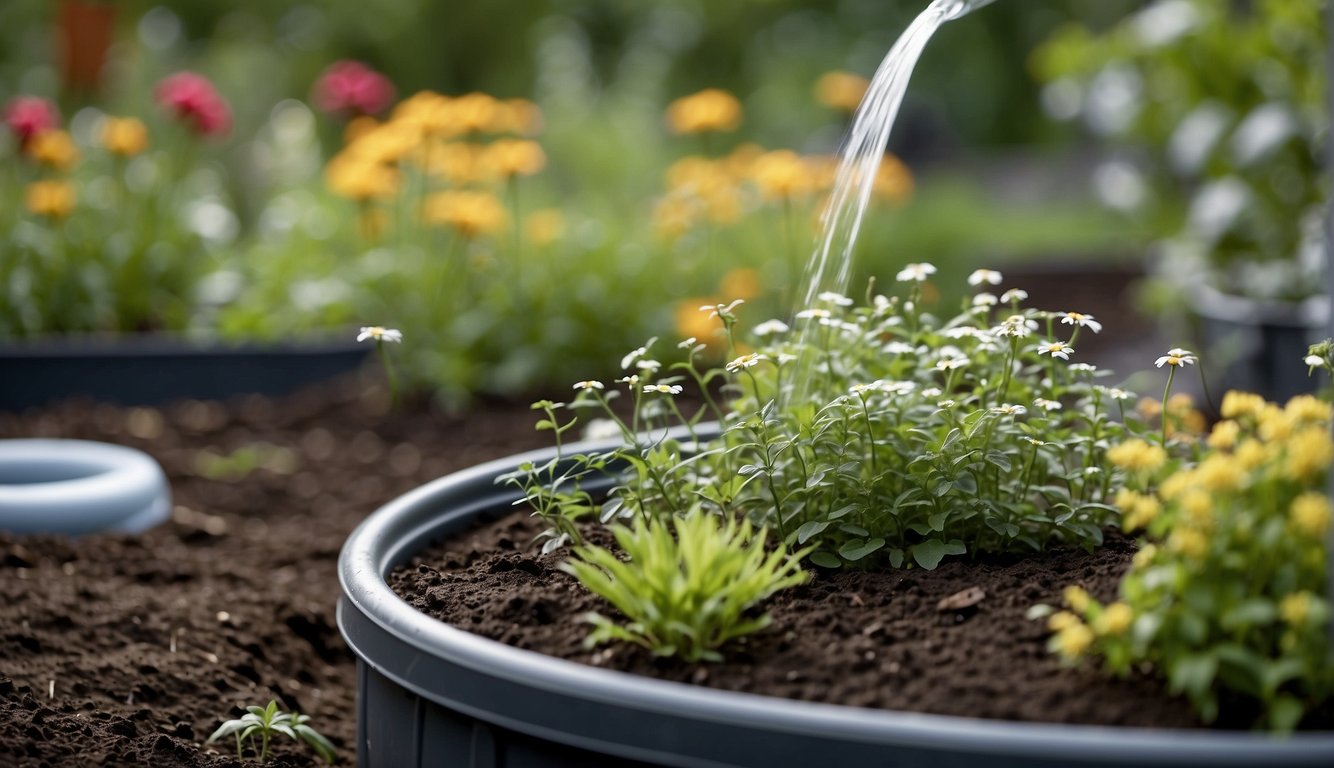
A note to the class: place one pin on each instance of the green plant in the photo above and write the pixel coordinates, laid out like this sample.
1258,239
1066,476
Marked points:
263,723
1222,105
687,594
1227,593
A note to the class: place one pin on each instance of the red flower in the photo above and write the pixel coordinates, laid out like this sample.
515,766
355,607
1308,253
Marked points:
350,86
194,101
28,116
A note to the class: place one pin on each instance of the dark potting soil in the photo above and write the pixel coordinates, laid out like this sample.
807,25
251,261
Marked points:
131,650
862,638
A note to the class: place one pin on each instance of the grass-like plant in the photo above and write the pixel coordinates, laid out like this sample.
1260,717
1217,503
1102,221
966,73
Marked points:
689,586
257,727
1227,593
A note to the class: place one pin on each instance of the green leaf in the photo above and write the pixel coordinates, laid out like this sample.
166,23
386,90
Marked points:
1285,712
825,559
857,549
929,553
896,557
807,530
1192,674
1249,613
941,487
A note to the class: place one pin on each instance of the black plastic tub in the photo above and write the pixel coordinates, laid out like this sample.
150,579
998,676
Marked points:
432,695
151,370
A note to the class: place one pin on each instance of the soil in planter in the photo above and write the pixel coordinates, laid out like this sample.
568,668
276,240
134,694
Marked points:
120,650
863,638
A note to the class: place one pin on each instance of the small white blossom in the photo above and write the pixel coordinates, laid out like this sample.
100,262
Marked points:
633,356
1010,410
1056,349
861,389
1092,471
589,384
745,361
784,358
881,303
962,332
988,276
898,387
1083,368
835,298
985,299
1034,442
807,314
915,273
666,389
631,380
898,348
717,310
1014,295
376,333
1017,326
946,404
1047,405
1116,393
932,392
1081,320
770,327
951,363
648,365
687,343
1314,361
1176,357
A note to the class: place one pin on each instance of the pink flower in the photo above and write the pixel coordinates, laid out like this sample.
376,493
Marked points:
350,86
191,98
28,116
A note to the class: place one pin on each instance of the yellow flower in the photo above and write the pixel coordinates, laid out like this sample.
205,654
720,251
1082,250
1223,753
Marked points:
124,136
477,113
1142,512
781,175
697,175
723,205
358,179
1144,557
1220,472
1275,424
1238,405
1188,542
1176,484
1137,456
1310,514
1295,609
514,157
893,181
1077,598
386,143
1251,454
740,162
1308,452
1074,640
54,199
1224,434
467,212
54,149
1187,420
518,116
544,227
457,162
1308,408
690,321
1197,507
841,90
708,111
741,283
1115,619
675,215
1061,620
357,127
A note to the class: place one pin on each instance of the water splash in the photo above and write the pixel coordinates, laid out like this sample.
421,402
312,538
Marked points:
859,157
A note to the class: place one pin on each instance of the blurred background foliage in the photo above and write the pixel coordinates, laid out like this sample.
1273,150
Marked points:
994,178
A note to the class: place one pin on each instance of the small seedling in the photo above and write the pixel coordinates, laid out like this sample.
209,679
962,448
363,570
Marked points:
263,723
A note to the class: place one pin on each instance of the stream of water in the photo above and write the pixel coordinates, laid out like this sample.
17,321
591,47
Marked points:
859,156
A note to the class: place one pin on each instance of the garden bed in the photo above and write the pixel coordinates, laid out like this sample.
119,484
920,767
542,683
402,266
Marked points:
242,579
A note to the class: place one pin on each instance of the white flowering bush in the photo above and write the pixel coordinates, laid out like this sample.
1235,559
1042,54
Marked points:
875,434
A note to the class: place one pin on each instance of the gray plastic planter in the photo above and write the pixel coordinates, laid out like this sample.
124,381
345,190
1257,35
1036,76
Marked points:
433,695
78,486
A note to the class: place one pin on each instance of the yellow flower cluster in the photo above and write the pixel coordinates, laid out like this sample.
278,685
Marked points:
710,111
56,152
841,90
440,140
53,198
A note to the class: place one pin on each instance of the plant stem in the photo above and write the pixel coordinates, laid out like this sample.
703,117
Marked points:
1171,374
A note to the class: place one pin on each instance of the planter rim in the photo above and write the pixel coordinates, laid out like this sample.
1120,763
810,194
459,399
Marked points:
399,529
173,345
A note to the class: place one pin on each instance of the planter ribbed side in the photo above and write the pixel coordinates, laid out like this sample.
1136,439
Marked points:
1258,346
430,694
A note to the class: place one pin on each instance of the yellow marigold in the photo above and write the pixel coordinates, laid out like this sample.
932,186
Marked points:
1308,408
1197,508
722,205
54,199
1310,513
841,90
781,175
1239,405
1074,640
422,108
457,162
124,136
1115,619
1275,424
1144,557
697,175
544,227
1224,435
740,162
1308,452
1140,513
1188,542
359,179
1176,484
1148,408
741,283
1295,609
54,149
357,127
1061,620
708,111
1251,454
514,157
386,143
1185,419
1077,598
675,215
477,113
1220,472
468,212
893,181
1137,456
518,116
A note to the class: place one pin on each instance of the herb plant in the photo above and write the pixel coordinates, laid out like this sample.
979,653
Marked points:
260,724
1227,594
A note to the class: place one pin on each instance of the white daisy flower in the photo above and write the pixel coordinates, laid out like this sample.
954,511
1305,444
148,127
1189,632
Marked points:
1014,295
898,387
589,384
745,361
1314,361
988,276
951,363
1034,441
1083,368
716,310
666,389
861,389
1177,358
835,298
648,365
946,404
784,358
770,327
915,273
1010,410
1017,326
932,392
633,356
1047,405
687,343
1081,320
376,333
1056,349
898,348
985,299
807,314
631,380
1116,393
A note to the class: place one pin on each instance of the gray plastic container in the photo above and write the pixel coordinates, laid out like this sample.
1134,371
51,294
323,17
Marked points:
432,695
